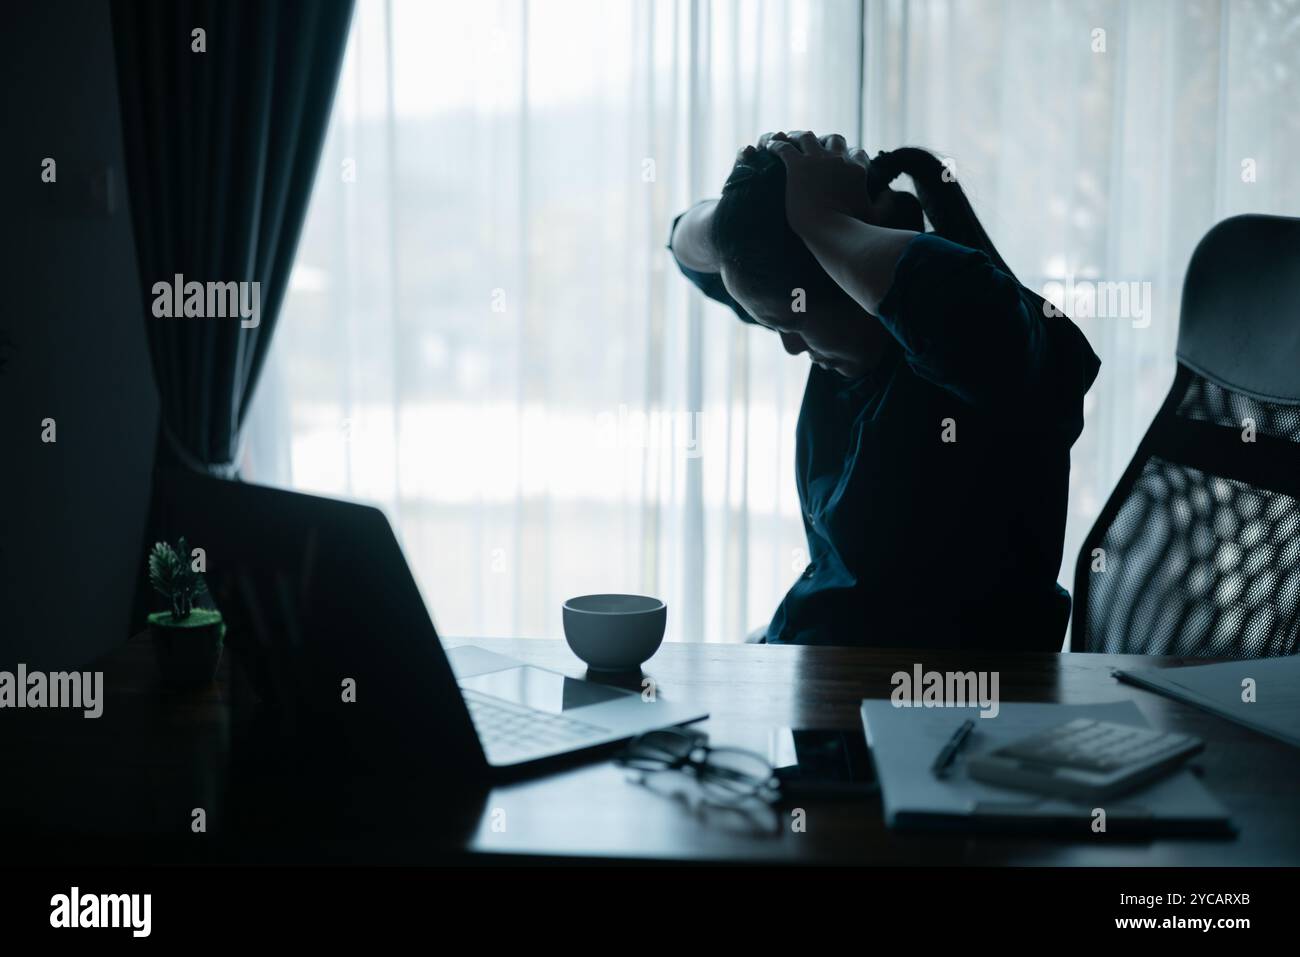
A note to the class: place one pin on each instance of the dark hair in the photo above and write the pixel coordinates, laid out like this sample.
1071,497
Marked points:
750,233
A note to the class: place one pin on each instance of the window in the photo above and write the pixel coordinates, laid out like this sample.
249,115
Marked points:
485,334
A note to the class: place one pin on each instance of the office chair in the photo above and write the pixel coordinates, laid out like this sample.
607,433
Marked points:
1197,552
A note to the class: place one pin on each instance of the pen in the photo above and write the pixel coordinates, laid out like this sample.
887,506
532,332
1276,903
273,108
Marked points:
942,762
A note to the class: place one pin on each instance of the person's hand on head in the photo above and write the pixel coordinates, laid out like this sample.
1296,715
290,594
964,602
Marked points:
859,155
769,137
745,155
822,178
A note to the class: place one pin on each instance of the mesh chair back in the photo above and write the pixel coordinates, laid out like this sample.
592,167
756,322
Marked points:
1197,552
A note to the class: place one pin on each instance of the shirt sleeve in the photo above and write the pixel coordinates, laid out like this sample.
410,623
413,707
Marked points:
970,328
709,283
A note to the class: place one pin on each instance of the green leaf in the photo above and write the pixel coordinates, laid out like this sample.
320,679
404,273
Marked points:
172,575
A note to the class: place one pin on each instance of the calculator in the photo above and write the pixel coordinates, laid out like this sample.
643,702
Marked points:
1085,759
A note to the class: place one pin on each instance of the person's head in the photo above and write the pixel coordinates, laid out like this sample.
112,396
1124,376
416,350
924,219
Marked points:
765,265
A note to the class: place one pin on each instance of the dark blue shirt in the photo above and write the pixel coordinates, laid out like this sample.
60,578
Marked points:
934,488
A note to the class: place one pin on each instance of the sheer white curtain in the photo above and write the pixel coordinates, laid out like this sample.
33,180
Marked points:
486,336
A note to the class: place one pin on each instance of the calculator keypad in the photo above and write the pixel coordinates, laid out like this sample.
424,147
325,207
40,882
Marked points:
1100,746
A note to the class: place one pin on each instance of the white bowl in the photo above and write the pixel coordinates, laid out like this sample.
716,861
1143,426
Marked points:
614,632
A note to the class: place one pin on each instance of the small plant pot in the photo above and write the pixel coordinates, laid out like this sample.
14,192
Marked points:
188,650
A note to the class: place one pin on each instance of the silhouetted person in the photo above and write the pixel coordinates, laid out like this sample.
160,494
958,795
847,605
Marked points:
933,445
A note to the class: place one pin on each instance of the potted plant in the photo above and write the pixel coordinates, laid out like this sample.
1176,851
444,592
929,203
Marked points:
187,640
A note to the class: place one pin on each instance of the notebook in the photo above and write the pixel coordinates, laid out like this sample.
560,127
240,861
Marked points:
904,742
1223,689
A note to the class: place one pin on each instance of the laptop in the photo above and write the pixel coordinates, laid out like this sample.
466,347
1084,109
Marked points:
327,625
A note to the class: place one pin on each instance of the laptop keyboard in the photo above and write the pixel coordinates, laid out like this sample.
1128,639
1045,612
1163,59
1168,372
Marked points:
505,729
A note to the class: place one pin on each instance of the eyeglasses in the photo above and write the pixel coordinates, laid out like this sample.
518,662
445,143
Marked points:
726,776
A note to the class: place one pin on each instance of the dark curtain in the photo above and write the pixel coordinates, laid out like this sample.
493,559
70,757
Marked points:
221,151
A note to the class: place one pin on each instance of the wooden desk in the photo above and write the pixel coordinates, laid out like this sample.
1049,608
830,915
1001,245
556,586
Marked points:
127,773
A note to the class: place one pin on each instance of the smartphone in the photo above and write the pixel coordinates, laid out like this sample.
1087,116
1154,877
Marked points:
817,763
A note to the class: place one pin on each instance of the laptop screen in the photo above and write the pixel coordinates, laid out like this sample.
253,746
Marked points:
542,690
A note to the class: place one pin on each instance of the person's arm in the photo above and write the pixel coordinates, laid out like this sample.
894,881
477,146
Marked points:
693,252
690,238
820,199
963,323
860,257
